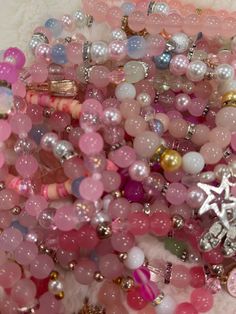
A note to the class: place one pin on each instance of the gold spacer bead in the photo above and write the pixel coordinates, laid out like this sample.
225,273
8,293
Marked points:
16,210
98,276
72,265
60,295
104,231
2,185
229,99
54,275
178,222
127,283
158,153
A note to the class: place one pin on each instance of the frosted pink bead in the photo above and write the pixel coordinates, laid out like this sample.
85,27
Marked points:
160,223
41,267
49,304
138,223
8,306
135,126
74,168
211,25
10,273
64,218
122,241
123,157
197,106
39,72
221,136
178,128
173,23
59,121
24,292
100,12
180,276
197,276
212,153
87,237
155,45
26,252
182,102
137,20
114,15
91,143
202,299
200,136
191,24
92,105
111,181
226,117
119,208
10,239
130,108
154,23
91,189
84,271
185,308
176,193
110,266
109,293
146,143
179,65
8,199
26,165
99,76
20,123
35,204
43,53
183,210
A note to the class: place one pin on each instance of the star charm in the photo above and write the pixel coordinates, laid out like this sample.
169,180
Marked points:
219,200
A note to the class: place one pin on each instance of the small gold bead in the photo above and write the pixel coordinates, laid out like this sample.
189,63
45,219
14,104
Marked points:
54,275
229,99
171,160
118,280
123,256
104,230
158,153
116,194
2,185
98,276
16,210
68,128
72,265
178,221
60,295
127,283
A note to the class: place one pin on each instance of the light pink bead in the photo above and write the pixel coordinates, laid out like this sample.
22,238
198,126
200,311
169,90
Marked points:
202,299
220,136
74,168
20,123
91,143
130,108
26,252
197,107
212,153
8,199
91,189
211,25
8,306
183,210
182,102
64,218
84,271
179,65
226,117
49,304
176,193
122,241
154,23
100,12
110,266
228,27
135,125
41,267
39,72
92,105
155,45
35,204
3,257
123,157
180,276
10,273
191,24
24,292
114,16
137,20
10,239
200,136
146,143
74,52
173,23
87,237
138,223
160,223
109,293
99,76
26,165
178,128
195,197
119,208
111,181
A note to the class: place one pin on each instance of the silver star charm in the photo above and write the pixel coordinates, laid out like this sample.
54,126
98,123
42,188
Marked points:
214,201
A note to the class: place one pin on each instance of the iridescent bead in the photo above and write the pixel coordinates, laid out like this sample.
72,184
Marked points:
55,26
80,18
59,54
99,52
196,70
136,47
141,275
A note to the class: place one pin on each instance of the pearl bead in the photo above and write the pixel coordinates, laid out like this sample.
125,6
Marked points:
135,258
196,70
139,170
224,72
118,34
80,18
181,41
48,141
125,90
193,163
55,286
62,148
167,306
162,8
99,52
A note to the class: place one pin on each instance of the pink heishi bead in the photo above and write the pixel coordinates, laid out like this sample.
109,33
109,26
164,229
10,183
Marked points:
202,299
87,237
41,267
10,273
176,193
160,223
139,223
135,300
185,308
180,276
91,143
84,271
197,277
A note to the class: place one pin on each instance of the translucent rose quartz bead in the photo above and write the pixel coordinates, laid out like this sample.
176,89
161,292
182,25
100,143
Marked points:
109,294
110,266
173,23
123,157
200,136
49,304
137,20
8,199
84,271
122,242
119,208
39,72
185,308
212,153
20,123
65,218
10,239
135,300
91,189
99,76
91,143
155,45
180,276
10,273
26,252
178,128
160,223
26,165
87,237
202,299
130,108
146,143
226,118
176,193
35,204
24,292
8,306
111,181
41,267
101,11
221,136
135,126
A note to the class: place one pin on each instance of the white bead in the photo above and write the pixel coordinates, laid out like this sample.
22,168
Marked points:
135,258
167,306
125,90
196,70
182,42
224,72
134,72
193,162
118,34
227,86
99,52
161,8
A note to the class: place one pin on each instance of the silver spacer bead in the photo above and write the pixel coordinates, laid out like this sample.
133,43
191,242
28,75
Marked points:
145,67
151,7
2,185
191,130
158,299
16,210
87,52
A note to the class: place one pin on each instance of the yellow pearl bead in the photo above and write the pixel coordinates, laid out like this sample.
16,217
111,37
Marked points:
171,160
229,99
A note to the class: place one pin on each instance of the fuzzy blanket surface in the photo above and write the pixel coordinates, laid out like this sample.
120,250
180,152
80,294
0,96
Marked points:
18,18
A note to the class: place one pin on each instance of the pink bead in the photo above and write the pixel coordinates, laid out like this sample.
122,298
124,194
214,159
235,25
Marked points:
64,257
45,31
26,165
68,240
119,208
41,267
176,193
117,50
87,237
185,308
173,23
180,276
214,256
195,197
5,219
8,306
109,294
92,106
154,23
191,24
111,181
228,27
226,117
135,300
10,239
39,72
84,271
202,299
200,136
91,143
110,266
49,304
182,102
10,273
17,55
142,275
26,252
59,121
183,210
8,199
114,15
35,113
91,189
137,20
8,72
101,11
211,25
24,292
139,223
123,157
179,65
178,128
160,223
35,204
20,123
68,22
5,130
211,152
64,218
155,45
19,89
221,136
197,107
149,291
203,90
74,168
43,53
74,52
99,76
122,241
197,277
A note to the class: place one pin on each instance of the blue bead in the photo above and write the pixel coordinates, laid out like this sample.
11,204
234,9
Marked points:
15,224
59,54
75,186
37,132
55,26
162,62
136,47
128,8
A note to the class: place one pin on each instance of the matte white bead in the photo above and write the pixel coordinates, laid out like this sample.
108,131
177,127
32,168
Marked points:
193,162
167,306
227,86
135,258
181,41
134,72
124,91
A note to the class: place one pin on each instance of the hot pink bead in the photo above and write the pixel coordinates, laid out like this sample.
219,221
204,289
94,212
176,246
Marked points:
139,223
137,20
110,266
26,252
35,204
122,241
111,181
202,299
39,72
49,304
155,45
123,157
154,23
214,256
99,76
114,15
180,276
17,55
135,300
20,123
84,271
10,273
64,218
149,291
197,277
179,65
109,293
91,143
142,275
211,152
176,193
160,223
10,239
41,267
91,189
43,53
26,165
185,308
24,292
87,237
8,72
